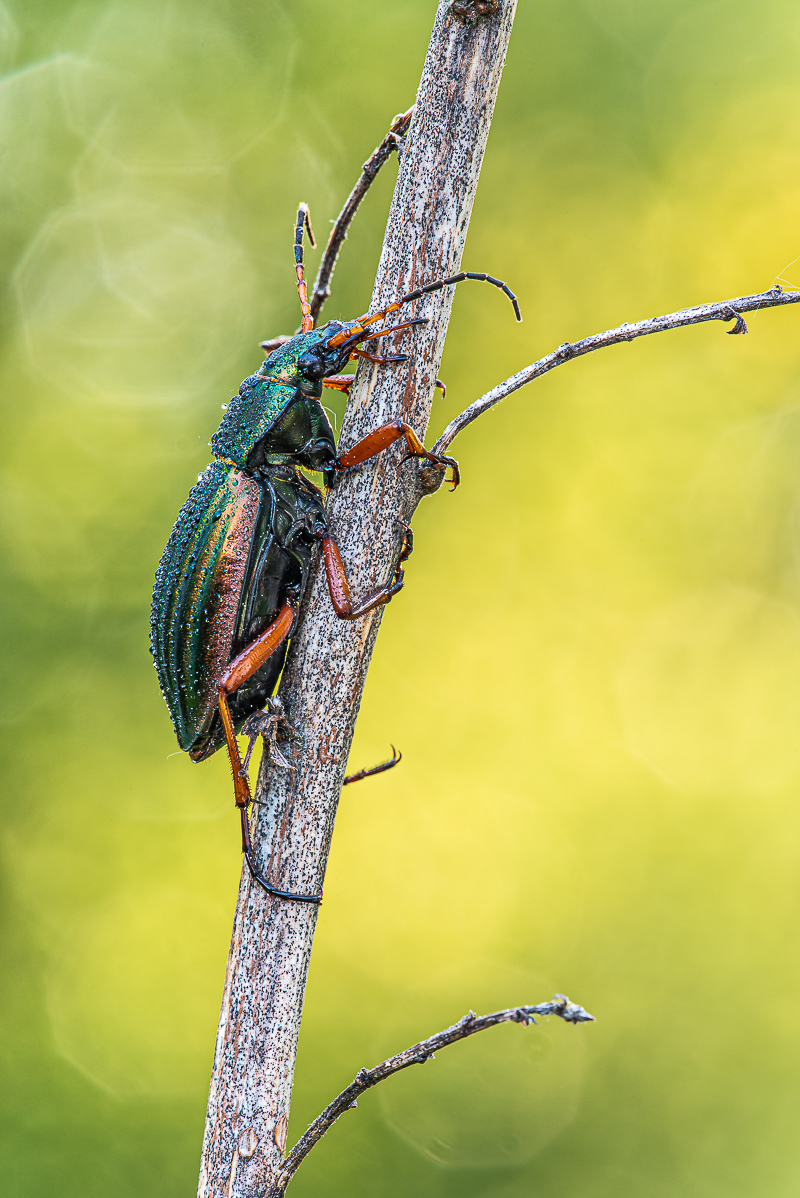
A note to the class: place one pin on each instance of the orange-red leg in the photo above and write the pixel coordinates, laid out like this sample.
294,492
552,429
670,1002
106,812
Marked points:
239,670
360,353
343,382
339,586
386,435
339,382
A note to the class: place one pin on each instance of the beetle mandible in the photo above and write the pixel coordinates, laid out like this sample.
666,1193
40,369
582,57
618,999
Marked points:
236,566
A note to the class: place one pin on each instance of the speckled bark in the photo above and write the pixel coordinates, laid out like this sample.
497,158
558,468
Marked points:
324,678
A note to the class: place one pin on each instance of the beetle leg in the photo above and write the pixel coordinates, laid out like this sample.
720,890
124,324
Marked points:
343,382
439,460
239,670
339,586
390,361
386,435
339,382
381,768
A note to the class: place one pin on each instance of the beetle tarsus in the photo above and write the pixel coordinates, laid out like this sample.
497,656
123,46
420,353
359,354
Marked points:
380,768
391,360
408,541
397,580
274,891
438,459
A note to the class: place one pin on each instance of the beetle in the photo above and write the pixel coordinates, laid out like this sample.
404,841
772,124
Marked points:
236,566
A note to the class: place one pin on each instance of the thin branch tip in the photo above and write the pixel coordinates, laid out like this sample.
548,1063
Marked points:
418,1054
572,1012
724,310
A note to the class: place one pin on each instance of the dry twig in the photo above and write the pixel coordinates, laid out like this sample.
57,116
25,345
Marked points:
322,284
391,143
417,1054
725,310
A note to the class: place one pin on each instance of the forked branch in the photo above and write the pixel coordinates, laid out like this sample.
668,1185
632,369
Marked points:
416,1055
725,310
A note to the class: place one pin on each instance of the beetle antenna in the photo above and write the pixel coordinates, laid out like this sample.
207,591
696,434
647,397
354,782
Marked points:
464,274
303,223
436,285
396,328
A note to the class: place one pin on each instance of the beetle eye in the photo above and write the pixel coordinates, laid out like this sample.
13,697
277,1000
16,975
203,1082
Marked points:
311,365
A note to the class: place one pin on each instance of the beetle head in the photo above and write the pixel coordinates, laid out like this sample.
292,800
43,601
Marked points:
319,359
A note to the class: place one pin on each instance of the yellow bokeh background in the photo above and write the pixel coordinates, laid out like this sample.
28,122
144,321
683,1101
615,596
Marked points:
593,671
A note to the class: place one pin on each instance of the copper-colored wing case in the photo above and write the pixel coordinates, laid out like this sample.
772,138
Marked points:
197,595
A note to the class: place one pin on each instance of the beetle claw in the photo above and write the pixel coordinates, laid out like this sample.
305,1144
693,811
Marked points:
408,541
437,459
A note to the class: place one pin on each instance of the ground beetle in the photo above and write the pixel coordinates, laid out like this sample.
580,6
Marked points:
235,568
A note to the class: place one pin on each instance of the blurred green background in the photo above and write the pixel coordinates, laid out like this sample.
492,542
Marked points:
600,725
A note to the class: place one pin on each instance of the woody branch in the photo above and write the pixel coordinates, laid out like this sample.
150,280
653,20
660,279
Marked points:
327,663
725,310
417,1054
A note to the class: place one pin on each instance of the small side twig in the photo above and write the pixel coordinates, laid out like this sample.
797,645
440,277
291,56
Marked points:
725,310
416,1055
390,144
322,284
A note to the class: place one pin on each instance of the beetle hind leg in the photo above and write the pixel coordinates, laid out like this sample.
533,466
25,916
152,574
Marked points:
239,670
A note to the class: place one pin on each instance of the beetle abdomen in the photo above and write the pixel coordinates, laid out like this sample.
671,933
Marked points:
197,593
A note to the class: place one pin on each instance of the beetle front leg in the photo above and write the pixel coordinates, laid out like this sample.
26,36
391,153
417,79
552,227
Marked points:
339,585
239,670
384,436
339,382
343,382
